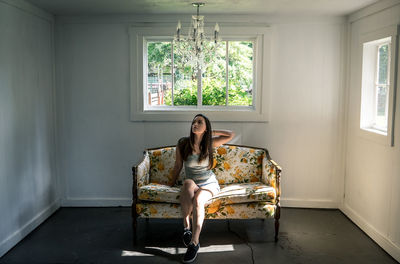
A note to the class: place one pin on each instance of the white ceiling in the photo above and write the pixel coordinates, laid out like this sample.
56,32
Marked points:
242,7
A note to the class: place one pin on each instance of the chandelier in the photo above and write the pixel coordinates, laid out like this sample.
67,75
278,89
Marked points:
196,45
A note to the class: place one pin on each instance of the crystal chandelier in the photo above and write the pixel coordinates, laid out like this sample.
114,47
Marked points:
196,45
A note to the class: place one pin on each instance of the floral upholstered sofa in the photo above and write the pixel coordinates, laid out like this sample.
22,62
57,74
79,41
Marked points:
249,180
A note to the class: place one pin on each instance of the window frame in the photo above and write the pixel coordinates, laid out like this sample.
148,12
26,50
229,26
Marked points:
367,122
138,62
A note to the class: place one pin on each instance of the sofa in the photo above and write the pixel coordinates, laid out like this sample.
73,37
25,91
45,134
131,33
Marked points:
248,177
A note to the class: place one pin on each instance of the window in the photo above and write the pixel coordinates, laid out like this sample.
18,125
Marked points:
227,79
235,79
377,92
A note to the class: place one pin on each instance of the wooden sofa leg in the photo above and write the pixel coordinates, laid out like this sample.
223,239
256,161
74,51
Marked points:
134,224
134,231
276,229
277,217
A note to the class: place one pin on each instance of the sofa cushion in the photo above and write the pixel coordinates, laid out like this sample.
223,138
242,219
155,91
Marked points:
215,210
162,162
235,164
159,193
229,194
245,192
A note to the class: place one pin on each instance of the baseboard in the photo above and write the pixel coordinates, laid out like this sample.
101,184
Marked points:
309,203
382,240
96,202
20,234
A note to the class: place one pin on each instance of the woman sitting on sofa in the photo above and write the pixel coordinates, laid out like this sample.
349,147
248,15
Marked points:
200,184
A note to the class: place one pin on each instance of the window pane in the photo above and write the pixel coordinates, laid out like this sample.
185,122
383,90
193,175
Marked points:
159,80
240,72
214,76
381,107
383,54
185,82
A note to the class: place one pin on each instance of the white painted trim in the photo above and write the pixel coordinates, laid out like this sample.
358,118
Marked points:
31,9
63,183
95,202
372,9
19,234
309,203
382,240
343,112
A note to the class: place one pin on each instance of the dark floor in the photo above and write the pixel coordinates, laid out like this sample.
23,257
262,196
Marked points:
103,235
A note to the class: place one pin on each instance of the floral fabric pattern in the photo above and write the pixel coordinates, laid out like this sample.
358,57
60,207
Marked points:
217,210
269,176
162,163
229,194
248,179
234,164
143,172
159,193
245,193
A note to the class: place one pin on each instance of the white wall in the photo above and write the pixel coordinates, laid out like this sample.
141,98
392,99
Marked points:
99,144
372,182
28,184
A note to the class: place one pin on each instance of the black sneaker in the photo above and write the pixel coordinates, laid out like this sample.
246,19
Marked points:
191,253
186,237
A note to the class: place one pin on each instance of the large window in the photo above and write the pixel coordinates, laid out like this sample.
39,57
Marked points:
377,93
227,79
235,78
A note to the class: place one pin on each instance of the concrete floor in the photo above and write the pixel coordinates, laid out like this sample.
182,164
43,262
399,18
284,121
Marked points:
103,235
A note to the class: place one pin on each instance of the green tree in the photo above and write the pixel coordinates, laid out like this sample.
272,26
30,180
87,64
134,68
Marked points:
240,74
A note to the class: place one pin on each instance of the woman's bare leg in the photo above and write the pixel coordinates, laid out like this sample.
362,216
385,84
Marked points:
200,199
187,194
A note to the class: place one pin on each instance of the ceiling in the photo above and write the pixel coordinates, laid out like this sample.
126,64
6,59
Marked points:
238,7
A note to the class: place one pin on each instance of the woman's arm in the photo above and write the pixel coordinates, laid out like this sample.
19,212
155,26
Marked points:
177,167
221,137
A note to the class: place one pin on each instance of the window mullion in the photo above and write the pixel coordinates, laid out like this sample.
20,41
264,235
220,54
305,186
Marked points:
172,74
199,88
227,73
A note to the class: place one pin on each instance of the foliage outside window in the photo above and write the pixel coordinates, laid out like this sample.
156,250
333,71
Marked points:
382,87
226,81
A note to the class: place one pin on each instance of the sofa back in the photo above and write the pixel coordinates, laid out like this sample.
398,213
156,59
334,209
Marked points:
232,164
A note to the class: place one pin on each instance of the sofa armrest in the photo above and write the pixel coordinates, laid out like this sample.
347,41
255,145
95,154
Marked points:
141,174
271,174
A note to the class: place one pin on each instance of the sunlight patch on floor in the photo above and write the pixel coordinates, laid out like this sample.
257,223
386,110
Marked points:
176,251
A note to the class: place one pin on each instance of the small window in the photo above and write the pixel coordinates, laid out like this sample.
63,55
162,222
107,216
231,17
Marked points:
377,85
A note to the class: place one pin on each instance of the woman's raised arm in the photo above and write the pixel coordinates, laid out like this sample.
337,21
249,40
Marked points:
221,137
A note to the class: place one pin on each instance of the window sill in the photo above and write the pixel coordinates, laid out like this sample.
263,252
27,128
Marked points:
376,136
213,115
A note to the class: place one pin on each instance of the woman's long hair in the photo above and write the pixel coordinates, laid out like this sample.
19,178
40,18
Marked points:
186,145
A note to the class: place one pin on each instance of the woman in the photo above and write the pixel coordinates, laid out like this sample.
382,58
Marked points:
200,184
